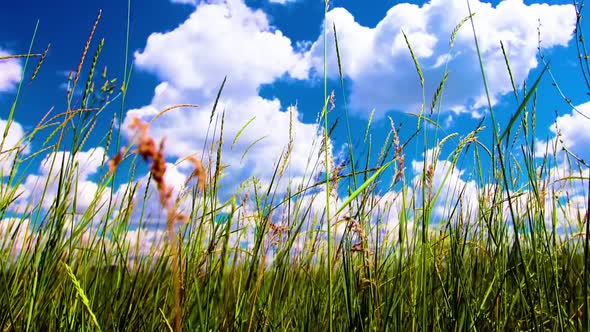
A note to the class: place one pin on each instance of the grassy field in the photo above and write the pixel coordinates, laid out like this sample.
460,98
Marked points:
509,254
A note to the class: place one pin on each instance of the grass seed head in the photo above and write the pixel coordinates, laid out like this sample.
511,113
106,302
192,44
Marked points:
116,161
198,172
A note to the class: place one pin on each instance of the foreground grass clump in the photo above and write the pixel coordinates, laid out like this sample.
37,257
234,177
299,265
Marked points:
356,245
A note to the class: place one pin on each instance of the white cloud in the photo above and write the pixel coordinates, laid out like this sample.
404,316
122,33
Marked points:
383,75
16,235
12,143
282,2
10,73
148,211
456,196
186,2
222,38
462,199
388,214
218,39
572,130
315,205
42,188
144,242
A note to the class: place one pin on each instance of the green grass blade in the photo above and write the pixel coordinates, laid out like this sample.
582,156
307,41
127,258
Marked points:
241,130
522,106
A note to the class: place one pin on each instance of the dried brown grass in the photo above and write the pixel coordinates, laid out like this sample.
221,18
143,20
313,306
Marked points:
154,153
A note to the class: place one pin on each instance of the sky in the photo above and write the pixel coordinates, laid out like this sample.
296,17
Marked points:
272,53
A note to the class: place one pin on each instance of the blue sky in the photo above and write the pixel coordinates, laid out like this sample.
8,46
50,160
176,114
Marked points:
271,52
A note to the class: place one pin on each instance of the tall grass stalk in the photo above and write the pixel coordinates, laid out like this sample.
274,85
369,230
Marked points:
327,153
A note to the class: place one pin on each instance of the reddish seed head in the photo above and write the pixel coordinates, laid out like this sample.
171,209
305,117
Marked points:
199,172
115,161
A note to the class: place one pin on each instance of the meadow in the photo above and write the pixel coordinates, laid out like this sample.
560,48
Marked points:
511,254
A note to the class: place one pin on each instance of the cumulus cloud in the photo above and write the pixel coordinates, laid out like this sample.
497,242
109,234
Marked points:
556,201
227,38
457,197
218,39
571,130
133,203
12,143
382,73
10,73
16,235
41,189
563,174
147,209
314,208
143,241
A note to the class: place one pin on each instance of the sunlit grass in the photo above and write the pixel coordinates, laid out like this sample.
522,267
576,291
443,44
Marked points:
371,245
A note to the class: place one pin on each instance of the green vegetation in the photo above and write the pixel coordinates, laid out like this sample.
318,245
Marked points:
499,258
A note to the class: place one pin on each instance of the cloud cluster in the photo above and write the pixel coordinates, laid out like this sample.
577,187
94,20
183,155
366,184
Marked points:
380,221
457,198
11,145
383,76
146,221
10,75
226,38
16,235
41,189
222,38
571,130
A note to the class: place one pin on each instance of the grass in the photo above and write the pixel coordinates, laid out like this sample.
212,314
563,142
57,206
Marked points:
495,259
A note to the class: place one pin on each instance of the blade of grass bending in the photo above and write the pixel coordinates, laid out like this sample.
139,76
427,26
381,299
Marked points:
213,112
509,70
241,130
364,186
250,146
127,70
457,28
485,83
81,294
333,127
165,320
32,299
168,109
522,105
263,227
420,75
349,138
18,89
217,99
317,184
422,117
415,59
